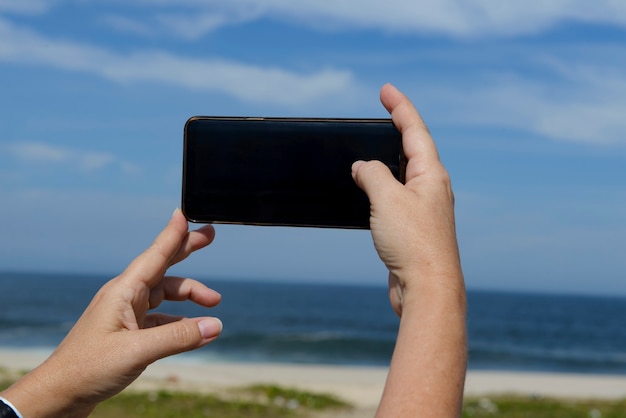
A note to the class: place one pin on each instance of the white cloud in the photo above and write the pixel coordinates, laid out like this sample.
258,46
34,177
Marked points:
38,152
190,19
182,22
457,18
127,25
92,161
577,99
589,116
581,99
42,153
592,123
195,26
24,6
190,27
247,82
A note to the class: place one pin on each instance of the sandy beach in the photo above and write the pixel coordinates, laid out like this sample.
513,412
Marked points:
362,386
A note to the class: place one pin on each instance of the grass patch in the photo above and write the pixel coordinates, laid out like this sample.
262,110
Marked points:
267,401
525,407
259,401
271,401
293,398
172,404
6,378
5,383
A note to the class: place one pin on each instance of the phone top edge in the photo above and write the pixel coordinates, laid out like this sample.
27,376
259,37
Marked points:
287,119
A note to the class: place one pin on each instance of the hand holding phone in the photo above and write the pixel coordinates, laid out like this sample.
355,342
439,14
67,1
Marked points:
283,171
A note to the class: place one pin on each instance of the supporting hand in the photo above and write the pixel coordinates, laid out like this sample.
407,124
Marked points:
116,338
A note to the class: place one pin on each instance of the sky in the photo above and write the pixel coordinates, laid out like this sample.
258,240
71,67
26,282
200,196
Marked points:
525,100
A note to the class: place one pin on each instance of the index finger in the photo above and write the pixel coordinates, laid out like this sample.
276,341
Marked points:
419,147
151,265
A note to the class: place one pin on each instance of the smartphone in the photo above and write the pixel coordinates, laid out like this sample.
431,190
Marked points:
283,171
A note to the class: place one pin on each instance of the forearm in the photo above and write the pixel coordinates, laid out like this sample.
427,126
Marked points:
37,395
427,372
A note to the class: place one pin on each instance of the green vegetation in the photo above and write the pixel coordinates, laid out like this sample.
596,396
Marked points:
4,383
171,405
524,407
296,398
266,401
270,401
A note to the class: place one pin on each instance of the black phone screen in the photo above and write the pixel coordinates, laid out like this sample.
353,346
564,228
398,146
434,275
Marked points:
277,171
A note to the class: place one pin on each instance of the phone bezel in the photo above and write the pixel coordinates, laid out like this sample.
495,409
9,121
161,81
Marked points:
292,120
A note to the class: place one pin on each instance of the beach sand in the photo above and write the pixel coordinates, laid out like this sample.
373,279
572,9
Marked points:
361,386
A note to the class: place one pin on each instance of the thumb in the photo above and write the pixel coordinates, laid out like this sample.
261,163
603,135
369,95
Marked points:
179,336
374,178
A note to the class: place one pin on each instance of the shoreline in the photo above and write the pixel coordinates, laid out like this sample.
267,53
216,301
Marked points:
360,385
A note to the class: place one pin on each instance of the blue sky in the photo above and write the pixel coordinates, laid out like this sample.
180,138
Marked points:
526,100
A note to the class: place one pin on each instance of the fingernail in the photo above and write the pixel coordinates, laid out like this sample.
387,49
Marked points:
355,166
175,211
210,327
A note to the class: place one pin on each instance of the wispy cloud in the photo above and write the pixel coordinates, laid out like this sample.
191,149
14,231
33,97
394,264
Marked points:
194,26
562,95
190,19
244,81
461,17
24,6
457,18
127,25
587,116
43,153
580,99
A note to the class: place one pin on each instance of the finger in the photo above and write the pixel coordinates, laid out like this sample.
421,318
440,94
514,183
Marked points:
181,289
150,266
158,319
176,337
374,178
194,241
418,146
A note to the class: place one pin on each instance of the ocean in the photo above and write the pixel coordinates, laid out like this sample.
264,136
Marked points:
343,324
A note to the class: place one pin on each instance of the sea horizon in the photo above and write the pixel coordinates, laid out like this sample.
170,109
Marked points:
341,323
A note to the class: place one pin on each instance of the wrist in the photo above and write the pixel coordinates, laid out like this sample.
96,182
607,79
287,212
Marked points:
36,395
420,288
7,409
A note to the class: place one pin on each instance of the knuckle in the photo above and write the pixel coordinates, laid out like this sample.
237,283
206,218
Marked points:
157,249
375,165
184,336
443,174
372,170
442,177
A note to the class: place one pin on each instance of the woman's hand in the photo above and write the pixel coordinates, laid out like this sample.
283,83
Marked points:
116,338
412,224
